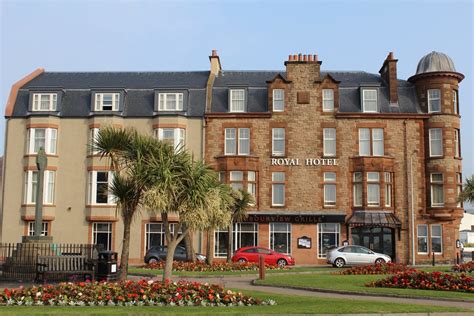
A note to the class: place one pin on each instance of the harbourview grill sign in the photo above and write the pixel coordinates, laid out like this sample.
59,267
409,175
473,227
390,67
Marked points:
304,162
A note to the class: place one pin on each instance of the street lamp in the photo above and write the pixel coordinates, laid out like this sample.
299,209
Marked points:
413,261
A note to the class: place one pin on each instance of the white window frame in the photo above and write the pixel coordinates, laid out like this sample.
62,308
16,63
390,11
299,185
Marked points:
437,183
372,182
44,228
232,97
93,133
431,99
440,238
321,232
457,143
49,186
329,183
179,136
388,177
455,102
230,150
328,100
278,181
163,101
99,101
109,233
278,100
92,190
358,185
329,142
241,149
217,242
365,99
435,136
278,138
236,179
366,141
287,231
459,188
377,142
425,237
252,185
53,100
50,141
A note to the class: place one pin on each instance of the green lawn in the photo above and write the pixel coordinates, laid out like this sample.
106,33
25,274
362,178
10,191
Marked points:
356,284
286,305
135,270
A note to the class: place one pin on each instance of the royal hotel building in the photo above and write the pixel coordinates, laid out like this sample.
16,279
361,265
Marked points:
331,157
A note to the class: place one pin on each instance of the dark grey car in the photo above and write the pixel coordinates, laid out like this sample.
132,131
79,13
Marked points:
158,253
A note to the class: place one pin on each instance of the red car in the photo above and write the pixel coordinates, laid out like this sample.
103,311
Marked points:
251,254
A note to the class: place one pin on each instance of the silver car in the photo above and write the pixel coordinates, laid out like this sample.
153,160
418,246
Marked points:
353,255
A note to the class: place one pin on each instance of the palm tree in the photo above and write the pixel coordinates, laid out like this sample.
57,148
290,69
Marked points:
128,153
241,202
467,194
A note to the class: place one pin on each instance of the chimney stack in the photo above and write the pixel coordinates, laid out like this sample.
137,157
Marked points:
215,63
389,76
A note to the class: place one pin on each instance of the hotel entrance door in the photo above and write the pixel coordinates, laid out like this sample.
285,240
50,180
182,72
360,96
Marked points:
378,239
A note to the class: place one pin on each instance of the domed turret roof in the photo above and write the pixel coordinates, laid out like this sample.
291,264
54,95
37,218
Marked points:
435,62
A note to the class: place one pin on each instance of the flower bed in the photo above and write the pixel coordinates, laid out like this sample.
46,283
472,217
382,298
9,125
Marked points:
428,281
464,267
214,267
128,293
384,268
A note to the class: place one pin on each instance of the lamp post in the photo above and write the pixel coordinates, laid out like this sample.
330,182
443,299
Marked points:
412,191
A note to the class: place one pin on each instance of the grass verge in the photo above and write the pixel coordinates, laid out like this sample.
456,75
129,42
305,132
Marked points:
286,305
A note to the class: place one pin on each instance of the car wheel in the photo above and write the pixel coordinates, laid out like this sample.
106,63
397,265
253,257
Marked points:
379,261
242,260
339,262
153,260
282,262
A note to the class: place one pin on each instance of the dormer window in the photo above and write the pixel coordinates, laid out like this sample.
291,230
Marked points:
107,101
237,100
434,100
369,101
328,100
278,100
170,101
45,101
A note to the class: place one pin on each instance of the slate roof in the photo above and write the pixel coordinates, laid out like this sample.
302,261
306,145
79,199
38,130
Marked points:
140,87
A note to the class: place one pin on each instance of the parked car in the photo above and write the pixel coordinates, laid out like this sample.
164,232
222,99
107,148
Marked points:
354,255
252,254
158,253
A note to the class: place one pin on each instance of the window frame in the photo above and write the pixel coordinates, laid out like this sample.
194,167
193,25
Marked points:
281,153
329,182
179,136
373,183
49,187
281,182
44,228
237,141
426,238
281,107
329,100
109,233
273,231
163,101
435,143
432,237
36,102
457,143
330,140
437,183
252,185
239,182
430,99
455,102
358,185
231,100
459,185
371,142
99,101
50,138
92,188
364,100
320,253
388,189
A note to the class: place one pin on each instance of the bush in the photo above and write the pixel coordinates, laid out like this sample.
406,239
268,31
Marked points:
383,268
464,267
428,281
214,267
128,293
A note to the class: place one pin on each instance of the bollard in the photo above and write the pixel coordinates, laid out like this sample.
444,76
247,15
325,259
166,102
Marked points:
433,260
457,258
261,267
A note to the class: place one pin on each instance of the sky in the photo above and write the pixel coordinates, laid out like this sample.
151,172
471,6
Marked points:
248,35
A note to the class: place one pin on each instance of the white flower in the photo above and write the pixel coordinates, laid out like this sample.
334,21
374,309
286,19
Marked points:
38,294
150,282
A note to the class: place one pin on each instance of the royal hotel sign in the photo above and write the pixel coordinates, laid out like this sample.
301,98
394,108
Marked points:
304,162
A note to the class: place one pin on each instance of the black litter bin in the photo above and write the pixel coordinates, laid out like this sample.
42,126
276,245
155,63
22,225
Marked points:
107,269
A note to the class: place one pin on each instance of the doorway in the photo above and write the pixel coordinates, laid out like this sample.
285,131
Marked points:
377,239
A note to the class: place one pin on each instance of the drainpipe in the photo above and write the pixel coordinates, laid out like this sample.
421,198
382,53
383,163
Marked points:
412,192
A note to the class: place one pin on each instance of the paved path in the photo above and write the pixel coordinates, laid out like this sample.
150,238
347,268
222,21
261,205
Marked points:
244,283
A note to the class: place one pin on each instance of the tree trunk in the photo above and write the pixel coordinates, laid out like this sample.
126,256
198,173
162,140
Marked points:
230,241
125,249
208,247
168,270
188,243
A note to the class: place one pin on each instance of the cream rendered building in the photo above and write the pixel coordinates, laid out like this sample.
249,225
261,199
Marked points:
61,112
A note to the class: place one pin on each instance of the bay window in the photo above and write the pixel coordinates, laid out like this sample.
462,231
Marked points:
437,189
172,136
45,138
99,188
31,185
373,189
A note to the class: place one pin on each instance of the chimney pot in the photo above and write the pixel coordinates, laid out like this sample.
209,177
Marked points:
390,56
310,57
290,57
315,57
295,57
214,53
300,57
305,57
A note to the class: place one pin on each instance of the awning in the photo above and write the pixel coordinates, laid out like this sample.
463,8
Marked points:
374,219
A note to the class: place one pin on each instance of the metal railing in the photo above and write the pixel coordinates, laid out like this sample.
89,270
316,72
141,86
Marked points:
18,260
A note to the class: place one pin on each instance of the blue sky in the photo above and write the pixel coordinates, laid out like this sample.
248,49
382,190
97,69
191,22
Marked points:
179,35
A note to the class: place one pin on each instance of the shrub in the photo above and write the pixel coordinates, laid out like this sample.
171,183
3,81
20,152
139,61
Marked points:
383,268
128,293
428,281
214,267
464,267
